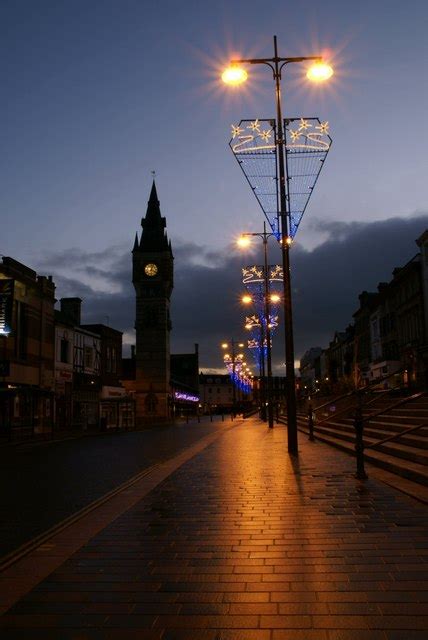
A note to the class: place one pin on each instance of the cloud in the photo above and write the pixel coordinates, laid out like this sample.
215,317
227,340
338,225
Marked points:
205,302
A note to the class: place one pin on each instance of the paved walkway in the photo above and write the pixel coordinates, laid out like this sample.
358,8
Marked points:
242,542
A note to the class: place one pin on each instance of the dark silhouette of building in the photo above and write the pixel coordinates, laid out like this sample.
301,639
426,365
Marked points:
388,341
152,277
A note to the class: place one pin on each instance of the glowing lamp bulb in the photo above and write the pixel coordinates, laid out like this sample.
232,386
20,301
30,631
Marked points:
275,297
246,299
234,75
243,242
319,72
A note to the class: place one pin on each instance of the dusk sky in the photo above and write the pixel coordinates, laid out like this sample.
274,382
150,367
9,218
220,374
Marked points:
99,93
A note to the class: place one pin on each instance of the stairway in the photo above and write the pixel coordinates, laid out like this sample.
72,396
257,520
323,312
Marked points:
406,457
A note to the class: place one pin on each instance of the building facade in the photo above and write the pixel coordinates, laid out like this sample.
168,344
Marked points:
388,341
27,350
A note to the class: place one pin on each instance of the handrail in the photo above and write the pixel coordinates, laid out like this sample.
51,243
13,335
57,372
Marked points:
396,436
371,385
393,406
335,414
345,409
345,395
384,392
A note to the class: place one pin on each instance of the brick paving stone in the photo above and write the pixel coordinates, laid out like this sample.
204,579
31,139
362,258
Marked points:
298,634
244,542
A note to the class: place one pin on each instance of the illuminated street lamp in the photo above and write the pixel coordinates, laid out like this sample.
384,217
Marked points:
320,71
234,358
267,300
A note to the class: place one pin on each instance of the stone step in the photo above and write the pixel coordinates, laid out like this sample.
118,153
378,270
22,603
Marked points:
389,424
417,439
407,448
405,468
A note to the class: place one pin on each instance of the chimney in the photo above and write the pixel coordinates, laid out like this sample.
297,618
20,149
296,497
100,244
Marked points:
71,307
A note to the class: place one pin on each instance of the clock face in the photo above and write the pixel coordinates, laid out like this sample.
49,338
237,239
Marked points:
150,269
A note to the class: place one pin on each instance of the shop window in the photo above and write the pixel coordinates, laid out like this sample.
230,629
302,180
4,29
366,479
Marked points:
64,350
21,330
89,358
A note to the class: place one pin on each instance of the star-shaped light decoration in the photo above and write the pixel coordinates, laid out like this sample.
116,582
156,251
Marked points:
274,271
295,135
323,127
304,124
254,126
265,135
236,130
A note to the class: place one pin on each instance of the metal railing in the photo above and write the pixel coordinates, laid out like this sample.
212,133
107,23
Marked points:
360,420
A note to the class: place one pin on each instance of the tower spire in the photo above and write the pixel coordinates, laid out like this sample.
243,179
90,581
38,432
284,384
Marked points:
154,236
135,247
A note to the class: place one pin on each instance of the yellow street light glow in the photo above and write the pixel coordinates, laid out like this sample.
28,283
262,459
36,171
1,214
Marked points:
275,297
247,299
243,242
319,72
224,345
241,344
234,75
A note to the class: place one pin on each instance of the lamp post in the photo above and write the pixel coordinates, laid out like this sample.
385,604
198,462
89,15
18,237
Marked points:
318,72
226,346
264,236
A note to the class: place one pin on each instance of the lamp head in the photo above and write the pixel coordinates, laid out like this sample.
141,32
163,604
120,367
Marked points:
243,241
234,75
319,72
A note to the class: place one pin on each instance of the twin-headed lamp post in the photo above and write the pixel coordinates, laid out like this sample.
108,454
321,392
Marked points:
318,72
225,345
267,299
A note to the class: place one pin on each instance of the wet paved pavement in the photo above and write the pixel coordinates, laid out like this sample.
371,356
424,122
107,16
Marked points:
243,542
43,483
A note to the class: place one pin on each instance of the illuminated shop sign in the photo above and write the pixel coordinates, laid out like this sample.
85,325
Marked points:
179,395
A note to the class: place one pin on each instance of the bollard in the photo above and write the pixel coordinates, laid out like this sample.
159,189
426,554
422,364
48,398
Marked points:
311,422
359,443
222,416
211,416
199,417
187,418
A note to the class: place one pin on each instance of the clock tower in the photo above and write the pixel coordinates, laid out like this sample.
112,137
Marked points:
152,277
